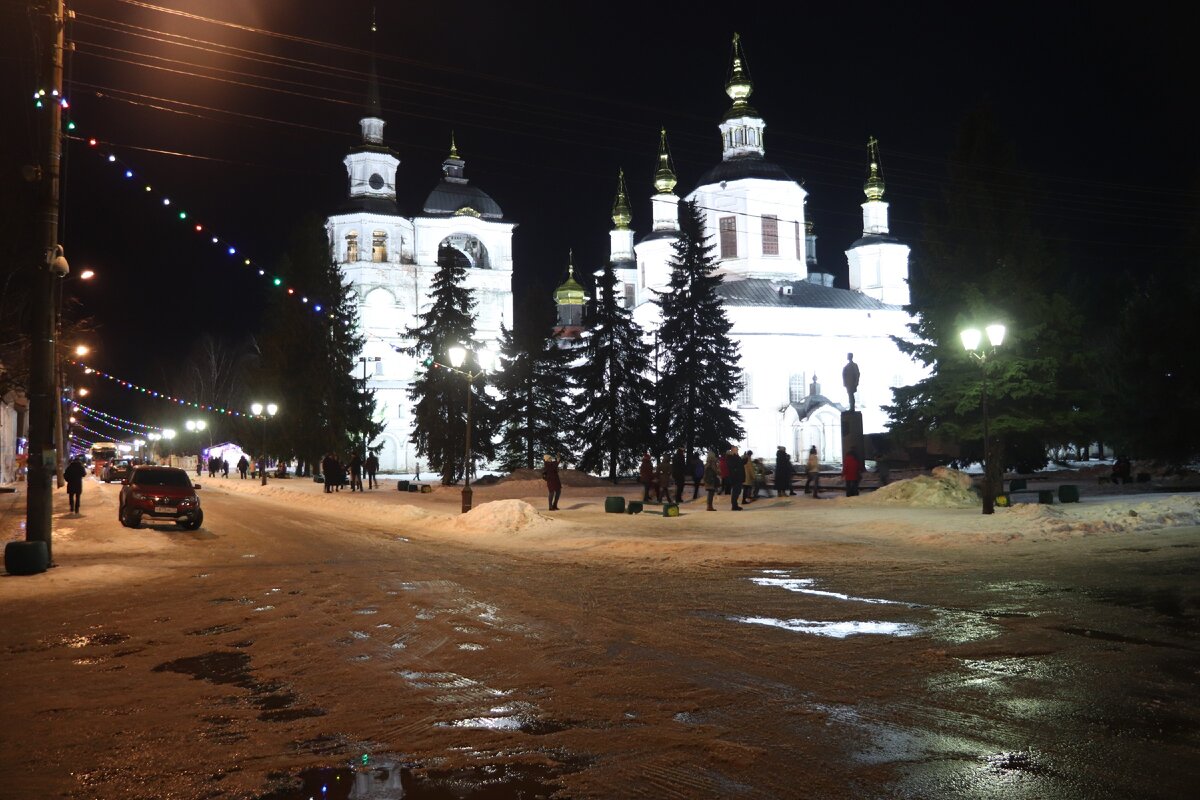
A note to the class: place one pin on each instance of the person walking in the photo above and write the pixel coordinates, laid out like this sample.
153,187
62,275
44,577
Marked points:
663,478
696,468
723,469
679,473
74,474
783,472
243,466
356,471
646,476
712,477
552,479
812,470
372,466
225,468
328,468
852,472
199,465
417,471
737,475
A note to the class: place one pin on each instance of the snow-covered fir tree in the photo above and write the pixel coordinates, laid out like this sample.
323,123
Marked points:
613,412
699,375
535,412
439,394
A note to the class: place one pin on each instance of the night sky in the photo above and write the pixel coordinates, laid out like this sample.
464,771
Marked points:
548,101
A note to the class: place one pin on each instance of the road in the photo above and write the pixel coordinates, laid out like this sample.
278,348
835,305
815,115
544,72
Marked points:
278,642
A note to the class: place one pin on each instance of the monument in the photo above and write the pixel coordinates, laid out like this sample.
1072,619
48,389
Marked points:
852,422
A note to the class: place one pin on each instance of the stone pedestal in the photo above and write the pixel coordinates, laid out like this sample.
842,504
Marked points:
852,434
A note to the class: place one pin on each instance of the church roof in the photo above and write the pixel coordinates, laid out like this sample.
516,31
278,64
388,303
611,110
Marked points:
875,238
736,169
454,197
766,292
652,235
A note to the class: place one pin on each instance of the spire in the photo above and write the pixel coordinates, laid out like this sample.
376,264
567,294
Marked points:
739,86
453,167
621,215
664,176
371,123
570,293
874,185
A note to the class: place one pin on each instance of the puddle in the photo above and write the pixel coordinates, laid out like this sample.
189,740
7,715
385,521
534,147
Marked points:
233,668
392,779
781,579
470,646
1105,636
367,611
837,630
93,640
215,629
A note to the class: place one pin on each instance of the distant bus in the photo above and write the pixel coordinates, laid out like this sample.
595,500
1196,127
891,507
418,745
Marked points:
102,453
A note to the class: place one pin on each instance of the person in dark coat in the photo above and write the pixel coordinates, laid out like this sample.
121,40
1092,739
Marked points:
783,472
328,471
552,479
737,475
356,470
74,474
696,468
371,465
852,472
679,473
243,466
646,476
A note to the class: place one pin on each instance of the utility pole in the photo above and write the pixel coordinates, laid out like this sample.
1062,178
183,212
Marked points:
42,455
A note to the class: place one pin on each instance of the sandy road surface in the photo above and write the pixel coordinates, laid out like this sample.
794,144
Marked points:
599,658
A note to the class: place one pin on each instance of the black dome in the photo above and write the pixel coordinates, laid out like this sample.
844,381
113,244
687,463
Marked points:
450,197
741,168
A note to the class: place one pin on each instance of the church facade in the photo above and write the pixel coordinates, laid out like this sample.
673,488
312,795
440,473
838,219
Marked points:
390,260
793,328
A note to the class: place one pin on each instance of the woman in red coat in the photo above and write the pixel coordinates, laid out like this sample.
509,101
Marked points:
852,472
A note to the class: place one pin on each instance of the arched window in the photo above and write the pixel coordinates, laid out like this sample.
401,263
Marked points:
379,246
352,246
380,312
797,390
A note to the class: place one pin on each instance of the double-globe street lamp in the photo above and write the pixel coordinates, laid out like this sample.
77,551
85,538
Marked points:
257,410
197,426
972,339
486,360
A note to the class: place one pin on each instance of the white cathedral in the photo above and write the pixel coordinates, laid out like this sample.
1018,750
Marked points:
794,329
390,261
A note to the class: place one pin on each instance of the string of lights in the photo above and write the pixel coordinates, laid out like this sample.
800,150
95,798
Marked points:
133,387
102,436
114,425
93,412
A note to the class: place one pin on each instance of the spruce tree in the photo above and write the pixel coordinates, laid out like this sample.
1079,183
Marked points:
980,260
613,422
307,359
535,411
700,377
439,394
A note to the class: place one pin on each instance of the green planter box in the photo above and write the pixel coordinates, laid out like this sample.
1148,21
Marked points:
614,505
670,509
1018,484
1046,497
635,507
1003,500
1068,493
402,486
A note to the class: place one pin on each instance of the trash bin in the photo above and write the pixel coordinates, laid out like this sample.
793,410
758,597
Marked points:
670,509
402,486
1046,497
1068,493
614,505
635,507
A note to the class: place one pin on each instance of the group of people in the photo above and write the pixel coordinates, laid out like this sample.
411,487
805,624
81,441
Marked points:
336,475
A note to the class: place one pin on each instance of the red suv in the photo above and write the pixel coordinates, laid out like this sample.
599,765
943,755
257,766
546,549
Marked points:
165,493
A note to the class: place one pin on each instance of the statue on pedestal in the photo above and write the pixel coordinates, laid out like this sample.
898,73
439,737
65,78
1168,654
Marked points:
850,377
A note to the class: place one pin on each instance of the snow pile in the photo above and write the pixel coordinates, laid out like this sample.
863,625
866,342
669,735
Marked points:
498,516
946,488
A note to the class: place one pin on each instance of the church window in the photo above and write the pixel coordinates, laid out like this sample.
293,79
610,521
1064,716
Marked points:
796,387
352,246
728,230
770,235
799,242
379,367
745,396
379,246
629,295
739,136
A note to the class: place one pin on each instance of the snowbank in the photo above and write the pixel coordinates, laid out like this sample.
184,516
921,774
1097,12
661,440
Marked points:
946,488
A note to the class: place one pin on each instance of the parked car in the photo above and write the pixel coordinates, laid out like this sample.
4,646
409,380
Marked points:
115,471
164,493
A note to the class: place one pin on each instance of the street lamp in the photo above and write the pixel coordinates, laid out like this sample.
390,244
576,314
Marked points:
198,426
486,358
971,339
257,410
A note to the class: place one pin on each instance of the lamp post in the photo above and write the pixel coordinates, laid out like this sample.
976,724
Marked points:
364,360
257,409
485,358
971,339
197,426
